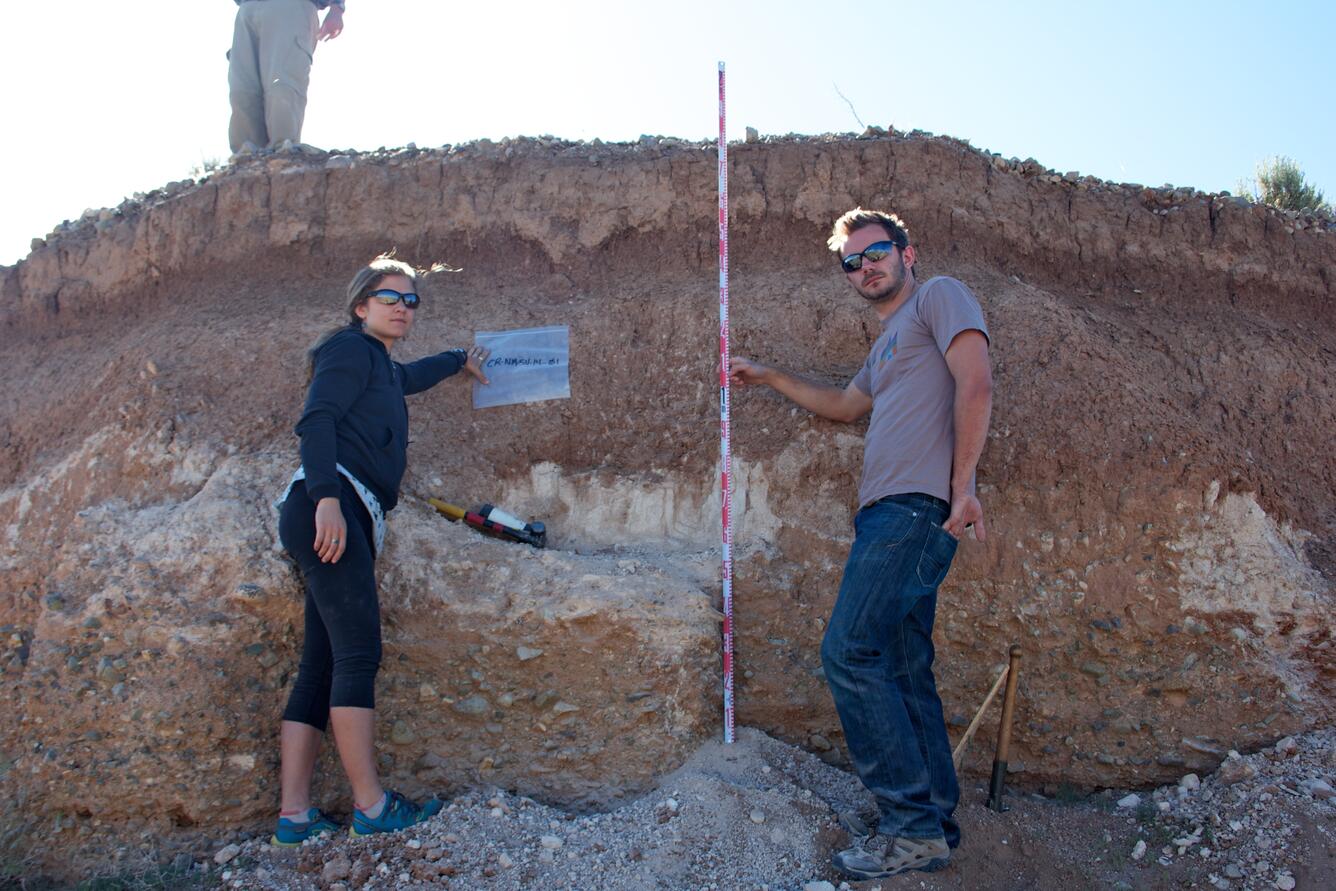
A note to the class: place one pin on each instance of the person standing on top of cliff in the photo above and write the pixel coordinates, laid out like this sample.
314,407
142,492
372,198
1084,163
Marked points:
928,384
269,68
354,448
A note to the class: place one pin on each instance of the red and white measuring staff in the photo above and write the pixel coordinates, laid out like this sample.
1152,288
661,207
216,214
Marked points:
725,432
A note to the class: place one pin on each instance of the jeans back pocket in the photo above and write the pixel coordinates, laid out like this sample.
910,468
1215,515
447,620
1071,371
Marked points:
939,548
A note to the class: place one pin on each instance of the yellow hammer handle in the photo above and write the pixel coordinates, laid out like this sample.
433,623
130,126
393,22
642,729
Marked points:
449,511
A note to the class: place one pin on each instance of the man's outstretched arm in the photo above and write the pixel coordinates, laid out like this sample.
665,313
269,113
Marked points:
845,405
967,358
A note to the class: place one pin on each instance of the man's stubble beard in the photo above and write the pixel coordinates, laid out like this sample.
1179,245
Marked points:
890,285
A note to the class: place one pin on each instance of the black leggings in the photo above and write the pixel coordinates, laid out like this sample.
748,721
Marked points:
342,650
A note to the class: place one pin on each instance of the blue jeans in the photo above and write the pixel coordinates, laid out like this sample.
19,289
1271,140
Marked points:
877,655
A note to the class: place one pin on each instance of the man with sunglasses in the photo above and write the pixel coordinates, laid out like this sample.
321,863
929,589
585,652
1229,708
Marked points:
269,68
928,384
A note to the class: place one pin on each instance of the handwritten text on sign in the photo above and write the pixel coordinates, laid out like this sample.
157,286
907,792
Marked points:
527,365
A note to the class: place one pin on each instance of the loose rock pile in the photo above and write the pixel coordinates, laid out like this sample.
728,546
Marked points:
755,815
1242,821
762,815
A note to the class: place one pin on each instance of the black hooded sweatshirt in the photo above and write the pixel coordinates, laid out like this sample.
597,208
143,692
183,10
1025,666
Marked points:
355,413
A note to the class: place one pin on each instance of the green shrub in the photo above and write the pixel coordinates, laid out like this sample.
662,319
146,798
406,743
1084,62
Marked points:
1280,183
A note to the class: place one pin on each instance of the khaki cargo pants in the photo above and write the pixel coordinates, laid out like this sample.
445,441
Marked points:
269,68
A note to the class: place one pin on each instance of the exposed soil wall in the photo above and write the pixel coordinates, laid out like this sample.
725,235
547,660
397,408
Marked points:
1162,535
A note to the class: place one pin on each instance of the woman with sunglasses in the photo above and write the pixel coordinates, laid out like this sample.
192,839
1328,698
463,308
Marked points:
354,438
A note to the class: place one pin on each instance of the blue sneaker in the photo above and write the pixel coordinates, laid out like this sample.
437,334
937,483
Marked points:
398,813
290,834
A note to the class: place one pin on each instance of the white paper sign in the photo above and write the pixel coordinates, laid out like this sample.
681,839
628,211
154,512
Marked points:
528,365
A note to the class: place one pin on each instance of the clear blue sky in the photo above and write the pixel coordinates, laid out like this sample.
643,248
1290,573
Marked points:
106,99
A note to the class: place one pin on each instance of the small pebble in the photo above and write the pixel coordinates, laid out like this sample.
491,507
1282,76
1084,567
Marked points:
226,854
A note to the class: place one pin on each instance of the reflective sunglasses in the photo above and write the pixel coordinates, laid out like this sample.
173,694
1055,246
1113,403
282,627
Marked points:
877,251
389,297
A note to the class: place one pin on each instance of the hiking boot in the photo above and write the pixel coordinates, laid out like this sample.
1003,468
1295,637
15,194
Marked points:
247,151
398,813
855,824
879,857
299,148
860,827
289,834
